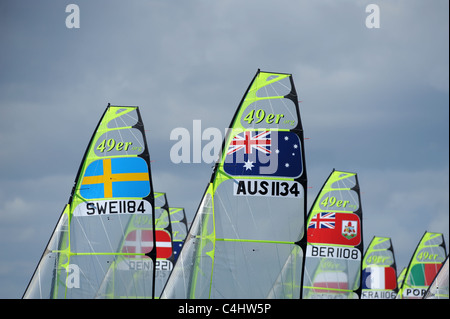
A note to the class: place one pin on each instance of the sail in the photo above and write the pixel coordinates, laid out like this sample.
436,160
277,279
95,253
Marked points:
423,267
137,234
252,214
99,229
379,272
334,240
179,229
439,287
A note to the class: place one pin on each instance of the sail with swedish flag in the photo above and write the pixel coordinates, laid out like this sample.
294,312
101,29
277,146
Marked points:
334,240
425,263
251,217
379,278
101,227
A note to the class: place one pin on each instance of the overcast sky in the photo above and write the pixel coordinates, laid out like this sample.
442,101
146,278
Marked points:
374,101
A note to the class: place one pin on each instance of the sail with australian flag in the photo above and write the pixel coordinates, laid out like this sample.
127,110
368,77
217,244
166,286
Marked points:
425,263
251,218
334,240
379,274
101,227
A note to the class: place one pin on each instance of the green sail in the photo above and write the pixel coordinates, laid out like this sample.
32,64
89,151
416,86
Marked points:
439,288
112,192
423,267
252,214
379,272
334,240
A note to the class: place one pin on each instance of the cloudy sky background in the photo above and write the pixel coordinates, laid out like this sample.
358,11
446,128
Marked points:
374,101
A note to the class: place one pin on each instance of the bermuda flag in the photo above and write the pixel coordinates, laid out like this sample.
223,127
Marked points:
379,278
267,153
423,274
116,177
346,230
140,241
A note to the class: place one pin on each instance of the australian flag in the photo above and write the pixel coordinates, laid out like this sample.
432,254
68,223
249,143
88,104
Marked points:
264,153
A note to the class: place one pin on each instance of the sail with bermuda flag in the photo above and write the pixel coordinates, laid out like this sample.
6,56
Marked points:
104,242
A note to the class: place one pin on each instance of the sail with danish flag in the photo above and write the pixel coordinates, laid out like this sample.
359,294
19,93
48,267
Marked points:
105,244
334,240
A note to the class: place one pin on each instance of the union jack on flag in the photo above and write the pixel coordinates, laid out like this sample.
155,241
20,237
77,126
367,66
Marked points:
323,220
248,142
